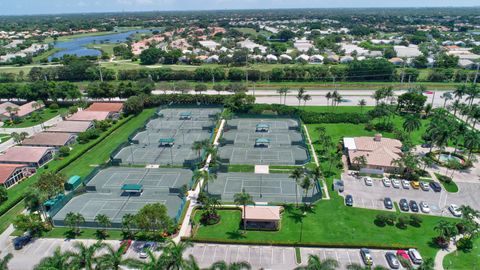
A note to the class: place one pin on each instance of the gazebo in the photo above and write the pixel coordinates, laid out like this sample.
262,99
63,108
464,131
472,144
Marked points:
185,116
262,142
262,217
167,142
132,188
262,127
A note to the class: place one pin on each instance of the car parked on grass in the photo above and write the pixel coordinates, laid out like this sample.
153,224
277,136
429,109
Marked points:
396,183
366,256
368,181
147,246
415,256
405,184
455,210
388,203
21,241
424,186
403,257
436,186
349,200
392,260
386,182
413,206
415,184
424,207
403,205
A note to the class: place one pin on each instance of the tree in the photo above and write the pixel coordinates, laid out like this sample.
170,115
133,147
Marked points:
84,258
428,264
315,263
133,105
300,94
104,221
360,161
306,184
296,174
51,184
282,92
58,261
198,147
222,265
150,56
152,263
362,103
412,122
5,260
201,87
64,151
73,220
19,137
243,199
172,255
206,176
3,194
29,223
128,223
411,102
113,259
446,97
306,98
153,218
446,231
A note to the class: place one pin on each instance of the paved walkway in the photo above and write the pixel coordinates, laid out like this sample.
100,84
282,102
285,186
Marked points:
315,158
444,252
34,129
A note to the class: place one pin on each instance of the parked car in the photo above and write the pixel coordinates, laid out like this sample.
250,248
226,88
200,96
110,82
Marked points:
436,186
126,245
413,206
366,256
405,184
388,203
392,260
424,186
396,183
403,205
349,200
415,256
386,182
21,241
403,254
424,207
147,246
368,181
453,208
415,184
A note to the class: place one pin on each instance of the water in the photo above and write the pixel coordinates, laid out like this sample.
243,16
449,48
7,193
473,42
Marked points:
448,157
77,46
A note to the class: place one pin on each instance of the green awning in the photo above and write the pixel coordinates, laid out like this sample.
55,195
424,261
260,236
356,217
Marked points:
167,140
184,114
54,200
262,140
73,180
263,125
132,187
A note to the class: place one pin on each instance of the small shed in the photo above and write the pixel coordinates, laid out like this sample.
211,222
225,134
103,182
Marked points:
132,188
169,142
262,142
262,127
262,217
73,182
185,116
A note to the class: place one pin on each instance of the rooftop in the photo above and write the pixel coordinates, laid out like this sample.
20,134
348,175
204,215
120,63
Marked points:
21,154
6,170
48,138
378,152
262,213
105,107
71,126
28,108
89,116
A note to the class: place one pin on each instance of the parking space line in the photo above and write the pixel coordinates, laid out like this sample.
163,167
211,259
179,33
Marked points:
271,260
203,253
348,255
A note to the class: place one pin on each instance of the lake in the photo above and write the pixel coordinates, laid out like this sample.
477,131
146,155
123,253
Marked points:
77,46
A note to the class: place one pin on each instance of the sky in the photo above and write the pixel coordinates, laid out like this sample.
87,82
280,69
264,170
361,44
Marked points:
21,7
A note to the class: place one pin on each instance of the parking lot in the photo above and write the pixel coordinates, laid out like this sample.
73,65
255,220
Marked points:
266,257
372,196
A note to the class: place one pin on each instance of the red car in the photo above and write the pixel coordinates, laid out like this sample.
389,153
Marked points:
403,257
126,245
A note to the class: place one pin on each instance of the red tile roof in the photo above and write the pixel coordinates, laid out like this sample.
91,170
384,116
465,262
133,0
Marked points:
70,126
22,154
89,116
6,171
105,107
48,138
27,108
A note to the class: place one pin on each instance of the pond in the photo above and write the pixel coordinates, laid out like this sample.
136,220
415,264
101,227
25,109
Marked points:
444,158
77,46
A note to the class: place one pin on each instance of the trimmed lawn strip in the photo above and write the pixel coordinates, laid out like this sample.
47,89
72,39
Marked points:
241,168
85,233
339,109
7,218
464,260
449,186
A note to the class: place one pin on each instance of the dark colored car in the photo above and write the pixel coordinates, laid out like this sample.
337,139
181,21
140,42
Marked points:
413,206
349,200
403,205
392,260
21,241
435,186
388,203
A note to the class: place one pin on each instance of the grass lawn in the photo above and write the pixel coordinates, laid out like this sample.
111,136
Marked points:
449,186
65,233
4,137
7,218
339,109
464,260
106,47
45,54
44,115
241,168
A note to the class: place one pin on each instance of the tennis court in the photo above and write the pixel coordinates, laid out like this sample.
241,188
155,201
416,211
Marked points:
105,195
288,155
184,136
195,113
138,154
159,124
278,188
274,124
286,138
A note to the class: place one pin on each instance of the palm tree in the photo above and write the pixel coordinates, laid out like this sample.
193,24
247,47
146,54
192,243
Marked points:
113,259
85,255
412,122
172,255
315,263
328,96
362,103
472,93
446,97
206,176
471,141
191,263
222,265
306,98
151,263
12,111
469,213
282,92
455,106
59,261
300,94
360,161
306,184
460,91
446,229
128,223
104,221
73,220
198,146
243,199
296,175
4,261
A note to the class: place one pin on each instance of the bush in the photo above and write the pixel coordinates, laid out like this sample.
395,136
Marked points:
384,126
64,151
54,106
381,219
88,135
415,220
465,244
3,194
402,222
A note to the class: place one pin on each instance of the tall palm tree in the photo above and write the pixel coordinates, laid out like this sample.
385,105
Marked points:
446,229
243,199
85,255
206,176
73,220
412,122
222,265
315,263
306,98
471,141
328,96
455,106
472,93
300,94
282,92
362,103
59,261
198,147
446,97
296,175
128,223
113,259
151,263
306,184
5,260
460,91
104,221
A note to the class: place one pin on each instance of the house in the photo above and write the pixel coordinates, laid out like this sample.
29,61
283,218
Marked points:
465,63
10,174
271,58
317,58
114,108
23,110
89,116
250,45
407,52
346,59
71,127
262,217
302,58
213,59
4,114
396,61
209,44
378,152
50,139
303,45
285,58
28,155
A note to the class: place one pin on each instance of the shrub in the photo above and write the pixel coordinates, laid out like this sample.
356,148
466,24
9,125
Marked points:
415,220
402,222
381,219
384,126
465,244
54,106
64,151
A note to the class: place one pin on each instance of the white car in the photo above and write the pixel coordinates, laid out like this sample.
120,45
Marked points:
424,207
424,186
455,210
386,182
405,184
395,183
415,256
368,181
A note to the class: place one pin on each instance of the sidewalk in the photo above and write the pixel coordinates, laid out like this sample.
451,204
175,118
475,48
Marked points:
33,129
